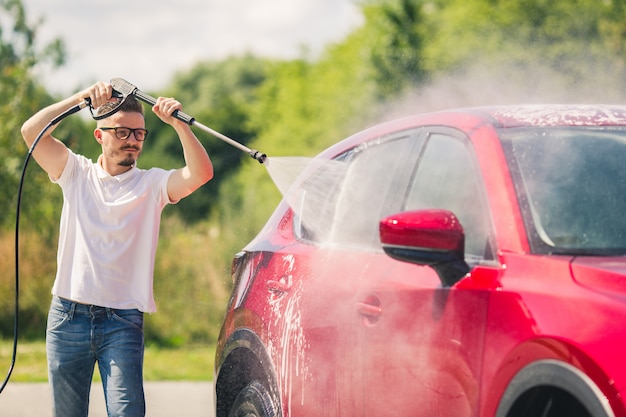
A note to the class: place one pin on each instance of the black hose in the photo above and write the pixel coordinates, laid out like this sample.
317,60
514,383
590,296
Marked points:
17,260
17,234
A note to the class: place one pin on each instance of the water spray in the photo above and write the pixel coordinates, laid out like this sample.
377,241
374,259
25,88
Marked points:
125,89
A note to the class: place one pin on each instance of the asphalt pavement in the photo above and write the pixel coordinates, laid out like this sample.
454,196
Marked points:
163,399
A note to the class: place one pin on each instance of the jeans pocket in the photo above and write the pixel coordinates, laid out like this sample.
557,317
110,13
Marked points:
56,318
133,318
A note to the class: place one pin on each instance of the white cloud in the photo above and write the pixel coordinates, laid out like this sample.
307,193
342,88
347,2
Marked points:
146,41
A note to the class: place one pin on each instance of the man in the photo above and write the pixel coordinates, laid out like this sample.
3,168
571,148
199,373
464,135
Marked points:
108,236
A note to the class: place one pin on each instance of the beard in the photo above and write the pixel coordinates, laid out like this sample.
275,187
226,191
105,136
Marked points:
129,161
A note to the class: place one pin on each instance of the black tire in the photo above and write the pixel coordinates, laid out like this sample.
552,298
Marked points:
254,400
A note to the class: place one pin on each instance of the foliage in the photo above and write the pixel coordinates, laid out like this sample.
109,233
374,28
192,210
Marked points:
292,107
557,34
189,286
36,273
20,96
398,36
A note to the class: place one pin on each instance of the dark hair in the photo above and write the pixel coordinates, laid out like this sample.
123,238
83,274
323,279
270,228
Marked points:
130,105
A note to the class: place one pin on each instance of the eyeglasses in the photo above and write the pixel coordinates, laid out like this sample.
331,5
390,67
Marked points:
123,133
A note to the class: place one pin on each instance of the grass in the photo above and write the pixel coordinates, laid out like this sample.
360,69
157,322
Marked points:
191,363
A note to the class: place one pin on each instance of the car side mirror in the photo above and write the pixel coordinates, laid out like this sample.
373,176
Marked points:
433,238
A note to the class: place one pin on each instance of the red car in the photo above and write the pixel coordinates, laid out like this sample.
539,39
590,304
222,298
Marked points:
458,263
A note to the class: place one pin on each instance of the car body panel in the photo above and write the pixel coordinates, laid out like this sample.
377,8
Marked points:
527,324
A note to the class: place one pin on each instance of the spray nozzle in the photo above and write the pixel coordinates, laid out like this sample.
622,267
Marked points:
261,157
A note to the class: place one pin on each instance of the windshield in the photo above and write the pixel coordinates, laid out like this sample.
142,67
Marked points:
571,183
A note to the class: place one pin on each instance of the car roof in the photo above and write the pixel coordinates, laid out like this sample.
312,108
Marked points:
507,116
553,115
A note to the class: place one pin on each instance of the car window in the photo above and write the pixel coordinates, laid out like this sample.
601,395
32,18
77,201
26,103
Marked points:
372,185
446,178
571,184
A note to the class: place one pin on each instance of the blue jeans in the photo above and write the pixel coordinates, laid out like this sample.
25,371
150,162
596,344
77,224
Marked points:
80,335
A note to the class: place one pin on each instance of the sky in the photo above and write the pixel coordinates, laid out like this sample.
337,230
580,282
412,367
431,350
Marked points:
147,41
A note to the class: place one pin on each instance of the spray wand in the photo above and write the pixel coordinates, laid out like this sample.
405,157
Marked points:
125,89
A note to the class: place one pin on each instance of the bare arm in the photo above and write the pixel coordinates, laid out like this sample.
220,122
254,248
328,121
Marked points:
50,153
198,168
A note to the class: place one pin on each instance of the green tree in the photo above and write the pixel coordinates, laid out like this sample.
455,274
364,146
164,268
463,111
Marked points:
20,96
559,35
397,35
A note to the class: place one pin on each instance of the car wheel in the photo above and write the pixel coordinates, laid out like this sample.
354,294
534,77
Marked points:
254,400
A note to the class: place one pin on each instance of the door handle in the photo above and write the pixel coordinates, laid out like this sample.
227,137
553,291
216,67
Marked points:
371,309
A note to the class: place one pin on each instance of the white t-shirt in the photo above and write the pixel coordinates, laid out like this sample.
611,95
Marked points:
108,234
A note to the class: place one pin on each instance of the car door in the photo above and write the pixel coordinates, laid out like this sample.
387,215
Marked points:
339,243
419,343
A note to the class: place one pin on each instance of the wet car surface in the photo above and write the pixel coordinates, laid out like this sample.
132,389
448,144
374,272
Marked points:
459,263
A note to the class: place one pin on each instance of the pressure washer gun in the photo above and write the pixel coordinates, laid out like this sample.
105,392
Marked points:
123,89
